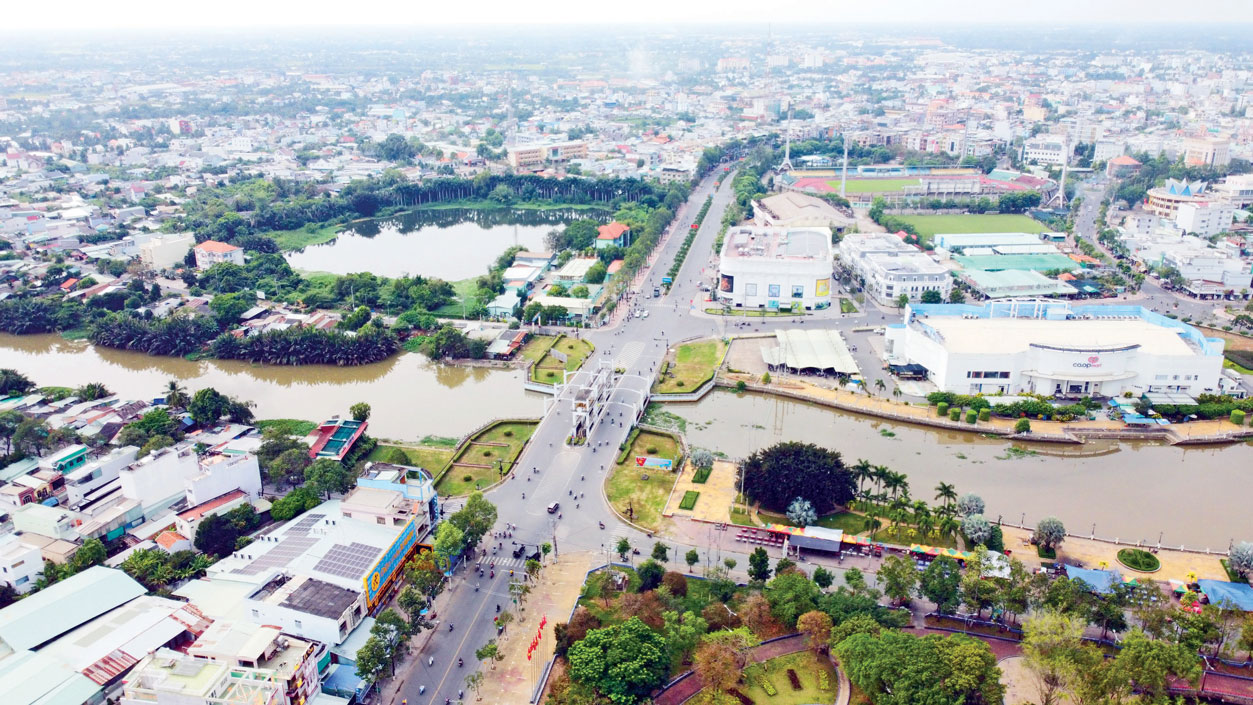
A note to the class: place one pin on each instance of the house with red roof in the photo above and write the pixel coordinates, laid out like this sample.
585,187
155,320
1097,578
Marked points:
211,252
614,234
1122,165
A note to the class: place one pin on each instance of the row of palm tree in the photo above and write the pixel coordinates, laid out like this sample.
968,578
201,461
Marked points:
886,494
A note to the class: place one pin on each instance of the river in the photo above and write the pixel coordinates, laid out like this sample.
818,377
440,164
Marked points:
411,397
1197,496
449,243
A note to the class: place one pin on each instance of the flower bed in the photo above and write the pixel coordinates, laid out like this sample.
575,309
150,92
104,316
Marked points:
689,499
1138,560
793,679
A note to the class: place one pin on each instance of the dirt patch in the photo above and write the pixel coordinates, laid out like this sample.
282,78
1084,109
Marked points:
1019,681
745,355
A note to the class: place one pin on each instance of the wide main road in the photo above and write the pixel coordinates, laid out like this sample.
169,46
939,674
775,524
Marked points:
550,471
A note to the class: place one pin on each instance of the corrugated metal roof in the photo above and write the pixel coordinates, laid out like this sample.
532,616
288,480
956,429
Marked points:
29,678
65,605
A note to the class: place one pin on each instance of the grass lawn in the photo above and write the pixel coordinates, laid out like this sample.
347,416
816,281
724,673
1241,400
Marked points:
536,346
465,289
902,537
289,427
1229,364
872,185
461,479
928,225
627,488
849,522
807,666
548,369
694,364
311,234
429,458
741,518
847,306
1138,560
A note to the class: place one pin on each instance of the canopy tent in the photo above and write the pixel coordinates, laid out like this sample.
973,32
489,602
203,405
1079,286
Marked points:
1102,582
813,349
936,551
815,538
1227,595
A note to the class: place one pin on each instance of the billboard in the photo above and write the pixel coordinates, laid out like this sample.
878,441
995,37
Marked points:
644,461
822,287
380,577
726,282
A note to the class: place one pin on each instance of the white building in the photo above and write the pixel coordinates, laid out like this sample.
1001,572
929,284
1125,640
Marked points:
1236,189
775,268
163,478
1045,149
165,251
211,252
792,209
890,267
1205,219
85,479
168,677
20,563
1047,347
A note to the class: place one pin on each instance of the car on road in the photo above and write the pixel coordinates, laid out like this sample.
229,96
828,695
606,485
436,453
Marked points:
656,292
552,508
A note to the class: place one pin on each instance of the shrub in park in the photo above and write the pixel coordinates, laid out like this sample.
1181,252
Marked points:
954,414
1237,417
1022,426
971,415
941,409
985,414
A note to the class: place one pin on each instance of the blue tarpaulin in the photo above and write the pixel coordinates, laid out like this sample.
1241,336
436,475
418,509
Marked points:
1228,595
1101,581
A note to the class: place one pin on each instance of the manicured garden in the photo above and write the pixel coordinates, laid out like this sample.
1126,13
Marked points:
1138,560
694,364
429,458
639,499
847,306
485,458
929,225
809,670
288,427
548,369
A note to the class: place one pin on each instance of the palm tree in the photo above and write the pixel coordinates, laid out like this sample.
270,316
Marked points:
894,482
896,392
176,395
862,470
946,493
879,385
880,474
948,526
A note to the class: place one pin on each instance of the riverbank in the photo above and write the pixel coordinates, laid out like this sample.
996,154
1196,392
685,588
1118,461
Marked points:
1200,432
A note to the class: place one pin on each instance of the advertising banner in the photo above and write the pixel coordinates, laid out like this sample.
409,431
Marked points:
643,461
822,287
377,580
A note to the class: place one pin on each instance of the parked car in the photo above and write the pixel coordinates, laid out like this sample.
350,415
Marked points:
552,508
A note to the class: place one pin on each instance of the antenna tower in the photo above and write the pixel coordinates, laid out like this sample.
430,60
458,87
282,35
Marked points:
844,171
786,165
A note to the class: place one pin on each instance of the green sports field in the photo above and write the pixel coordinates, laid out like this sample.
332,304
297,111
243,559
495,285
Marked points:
928,225
872,185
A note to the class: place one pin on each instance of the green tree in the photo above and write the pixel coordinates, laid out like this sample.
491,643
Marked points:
9,423
207,406
691,558
91,553
1049,533
1149,665
931,296
759,565
898,577
449,541
596,274
941,583
372,659
31,436
227,308
791,594
289,466
623,548
902,301
779,474
153,444
216,535
661,552
893,668
14,383
1051,648
650,573
92,391
360,411
327,476
624,663
474,519
683,631
823,578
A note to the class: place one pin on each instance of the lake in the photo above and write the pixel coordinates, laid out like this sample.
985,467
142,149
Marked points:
449,243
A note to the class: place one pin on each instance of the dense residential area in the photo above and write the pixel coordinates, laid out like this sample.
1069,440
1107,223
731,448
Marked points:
900,356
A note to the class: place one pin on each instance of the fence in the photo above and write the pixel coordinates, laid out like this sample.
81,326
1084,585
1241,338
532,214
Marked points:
1118,542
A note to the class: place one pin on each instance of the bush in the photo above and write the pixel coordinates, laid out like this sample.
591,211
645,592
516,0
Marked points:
1136,559
467,478
971,415
651,450
677,583
824,680
740,386
941,409
1022,426
702,475
689,499
985,414
1237,417
954,414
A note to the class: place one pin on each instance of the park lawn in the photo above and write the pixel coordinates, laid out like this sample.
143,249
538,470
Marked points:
849,522
1231,365
872,185
461,479
429,458
536,347
465,290
806,665
847,306
903,538
929,225
300,238
548,369
288,427
626,487
694,364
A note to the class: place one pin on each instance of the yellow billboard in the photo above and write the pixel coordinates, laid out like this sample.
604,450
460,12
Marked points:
822,287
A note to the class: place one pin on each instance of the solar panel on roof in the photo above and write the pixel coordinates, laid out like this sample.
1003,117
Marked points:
302,527
285,552
348,561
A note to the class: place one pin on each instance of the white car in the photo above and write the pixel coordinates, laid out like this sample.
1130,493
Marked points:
644,314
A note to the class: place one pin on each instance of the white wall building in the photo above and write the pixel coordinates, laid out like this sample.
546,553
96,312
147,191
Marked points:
165,251
775,268
1048,347
20,563
890,267
97,473
1045,149
160,480
219,474
1205,219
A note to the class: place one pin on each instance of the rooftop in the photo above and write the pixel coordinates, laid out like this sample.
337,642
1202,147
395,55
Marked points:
1011,335
215,246
778,243
65,605
321,599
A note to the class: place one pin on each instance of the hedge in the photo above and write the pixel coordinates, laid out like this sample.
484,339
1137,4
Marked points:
954,414
985,414
941,409
689,499
625,448
702,475
972,415
1237,417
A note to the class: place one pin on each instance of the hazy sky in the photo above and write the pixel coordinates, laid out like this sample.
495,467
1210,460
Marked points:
83,14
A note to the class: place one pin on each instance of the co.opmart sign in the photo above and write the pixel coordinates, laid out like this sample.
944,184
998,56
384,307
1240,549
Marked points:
1093,361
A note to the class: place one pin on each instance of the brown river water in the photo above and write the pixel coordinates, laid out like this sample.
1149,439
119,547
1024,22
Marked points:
1199,497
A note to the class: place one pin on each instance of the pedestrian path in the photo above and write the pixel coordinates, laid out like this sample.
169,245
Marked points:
630,355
